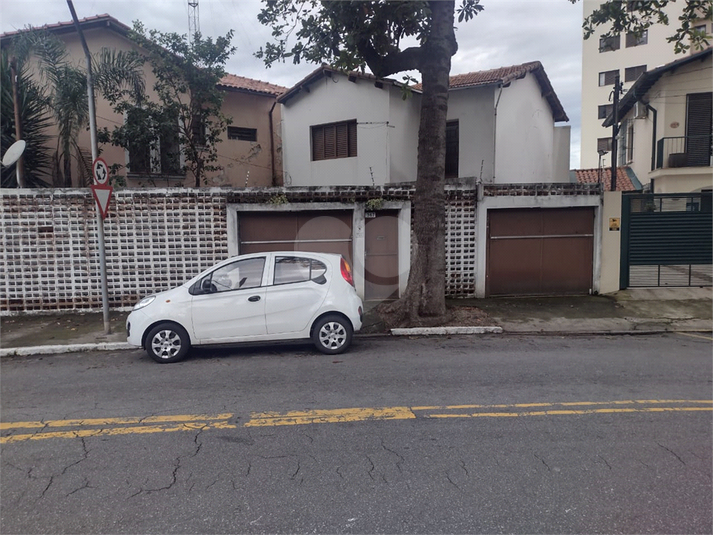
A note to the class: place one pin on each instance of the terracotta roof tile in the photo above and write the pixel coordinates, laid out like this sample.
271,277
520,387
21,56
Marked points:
229,81
69,25
233,81
625,178
505,75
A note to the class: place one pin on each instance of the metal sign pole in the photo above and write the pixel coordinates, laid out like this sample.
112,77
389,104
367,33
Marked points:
93,133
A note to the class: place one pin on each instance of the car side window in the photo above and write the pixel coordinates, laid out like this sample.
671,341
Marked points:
240,275
290,269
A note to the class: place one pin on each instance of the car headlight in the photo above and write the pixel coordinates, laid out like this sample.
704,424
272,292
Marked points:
146,301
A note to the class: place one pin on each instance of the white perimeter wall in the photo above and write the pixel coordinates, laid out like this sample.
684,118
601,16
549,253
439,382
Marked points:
524,135
380,134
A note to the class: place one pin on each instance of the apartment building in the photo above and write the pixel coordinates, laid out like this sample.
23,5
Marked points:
625,55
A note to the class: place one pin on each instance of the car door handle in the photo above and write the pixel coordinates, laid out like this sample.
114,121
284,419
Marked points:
254,298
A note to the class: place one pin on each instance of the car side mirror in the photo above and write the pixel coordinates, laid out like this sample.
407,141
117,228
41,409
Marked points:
206,286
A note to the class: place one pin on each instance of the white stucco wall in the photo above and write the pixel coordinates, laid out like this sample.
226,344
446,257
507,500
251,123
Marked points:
524,135
669,98
521,149
384,132
560,160
474,110
403,135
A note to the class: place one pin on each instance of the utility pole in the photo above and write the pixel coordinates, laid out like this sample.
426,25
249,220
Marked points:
615,131
20,168
95,155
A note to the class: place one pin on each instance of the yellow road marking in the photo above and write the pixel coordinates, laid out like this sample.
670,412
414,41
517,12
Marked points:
263,419
561,404
696,336
567,413
92,427
189,426
114,421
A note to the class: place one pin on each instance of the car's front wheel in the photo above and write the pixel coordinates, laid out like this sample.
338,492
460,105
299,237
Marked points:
332,334
167,342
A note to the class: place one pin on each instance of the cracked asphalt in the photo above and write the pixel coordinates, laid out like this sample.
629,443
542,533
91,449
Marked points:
188,463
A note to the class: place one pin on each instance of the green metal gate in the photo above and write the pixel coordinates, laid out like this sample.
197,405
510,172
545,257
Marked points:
667,240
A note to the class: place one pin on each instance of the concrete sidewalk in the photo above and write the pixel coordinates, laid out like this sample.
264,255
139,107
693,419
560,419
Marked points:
634,311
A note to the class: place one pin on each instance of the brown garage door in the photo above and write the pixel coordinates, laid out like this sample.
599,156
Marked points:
381,265
317,231
540,251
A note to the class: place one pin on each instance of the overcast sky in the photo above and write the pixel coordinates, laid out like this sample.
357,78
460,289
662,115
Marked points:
507,32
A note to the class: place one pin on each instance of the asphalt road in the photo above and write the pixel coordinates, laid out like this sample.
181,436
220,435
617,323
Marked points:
445,435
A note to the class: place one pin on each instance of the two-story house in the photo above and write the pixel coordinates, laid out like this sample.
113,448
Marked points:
354,129
250,151
666,124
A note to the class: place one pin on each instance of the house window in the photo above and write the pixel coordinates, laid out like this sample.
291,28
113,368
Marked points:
700,29
607,44
452,142
605,111
157,151
630,142
198,131
604,144
608,77
242,134
622,140
632,73
334,140
637,40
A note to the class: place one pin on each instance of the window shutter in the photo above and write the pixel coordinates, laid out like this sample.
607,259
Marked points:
342,141
336,140
352,139
330,142
698,129
632,73
317,143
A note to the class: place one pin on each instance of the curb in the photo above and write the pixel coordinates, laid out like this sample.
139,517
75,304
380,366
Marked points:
69,348
424,331
413,331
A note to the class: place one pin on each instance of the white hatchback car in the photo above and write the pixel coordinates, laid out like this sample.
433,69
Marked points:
252,298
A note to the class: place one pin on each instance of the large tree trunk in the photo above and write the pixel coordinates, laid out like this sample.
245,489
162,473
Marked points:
424,300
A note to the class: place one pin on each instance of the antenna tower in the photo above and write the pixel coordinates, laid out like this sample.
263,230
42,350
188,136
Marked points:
193,26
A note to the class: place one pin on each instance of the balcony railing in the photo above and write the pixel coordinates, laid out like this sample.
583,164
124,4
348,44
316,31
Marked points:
684,151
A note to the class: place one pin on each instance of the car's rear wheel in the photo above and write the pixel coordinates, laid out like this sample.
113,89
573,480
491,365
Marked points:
332,334
167,342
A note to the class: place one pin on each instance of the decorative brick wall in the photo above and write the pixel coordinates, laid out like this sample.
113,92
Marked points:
159,238
460,243
154,240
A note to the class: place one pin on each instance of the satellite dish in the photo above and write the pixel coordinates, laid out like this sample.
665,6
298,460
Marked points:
13,153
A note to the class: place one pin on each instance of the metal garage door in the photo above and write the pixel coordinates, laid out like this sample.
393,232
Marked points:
666,240
540,251
318,231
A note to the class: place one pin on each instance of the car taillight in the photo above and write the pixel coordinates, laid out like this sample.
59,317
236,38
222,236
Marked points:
346,271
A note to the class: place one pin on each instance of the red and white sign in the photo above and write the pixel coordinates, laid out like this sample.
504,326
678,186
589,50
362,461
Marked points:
100,170
102,194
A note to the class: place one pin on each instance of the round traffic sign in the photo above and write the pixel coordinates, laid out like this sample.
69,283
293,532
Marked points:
101,171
